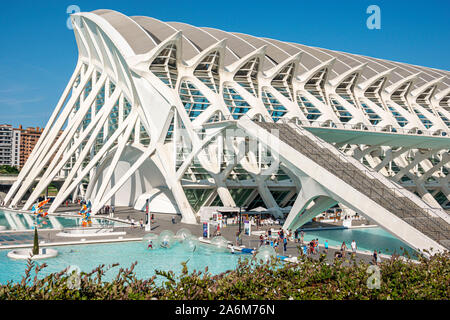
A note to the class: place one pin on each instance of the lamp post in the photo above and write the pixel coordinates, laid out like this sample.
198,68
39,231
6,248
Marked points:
148,224
240,221
240,218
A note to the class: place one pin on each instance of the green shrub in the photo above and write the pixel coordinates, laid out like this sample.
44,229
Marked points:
7,170
308,279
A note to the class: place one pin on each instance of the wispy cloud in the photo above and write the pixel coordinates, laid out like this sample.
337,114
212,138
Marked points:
13,101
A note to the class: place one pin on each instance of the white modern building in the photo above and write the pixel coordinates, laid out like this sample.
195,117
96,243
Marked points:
6,133
188,117
9,145
15,147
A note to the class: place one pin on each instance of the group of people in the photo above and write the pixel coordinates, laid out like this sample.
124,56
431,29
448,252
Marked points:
343,251
141,222
277,241
83,202
376,257
107,209
310,248
296,238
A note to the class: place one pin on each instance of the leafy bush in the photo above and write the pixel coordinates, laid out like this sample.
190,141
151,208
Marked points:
308,279
7,170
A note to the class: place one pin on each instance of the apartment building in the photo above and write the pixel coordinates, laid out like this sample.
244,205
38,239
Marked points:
6,133
28,139
16,144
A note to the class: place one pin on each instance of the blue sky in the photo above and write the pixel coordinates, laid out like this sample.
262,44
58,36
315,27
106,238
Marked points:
38,52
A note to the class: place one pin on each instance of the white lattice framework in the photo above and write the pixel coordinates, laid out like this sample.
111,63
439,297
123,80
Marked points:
141,86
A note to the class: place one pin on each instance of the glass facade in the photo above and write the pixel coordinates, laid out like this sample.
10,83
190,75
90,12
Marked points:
398,117
373,92
341,112
346,87
247,76
283,81
164,66
399,95
193,100
235,103
207,71
316,85
309,110
374,118
273,106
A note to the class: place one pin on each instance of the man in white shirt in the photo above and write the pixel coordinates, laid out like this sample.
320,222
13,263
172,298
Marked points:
354,247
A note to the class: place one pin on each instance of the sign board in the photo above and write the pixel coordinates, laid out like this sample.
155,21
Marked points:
247,227
219,220
205,230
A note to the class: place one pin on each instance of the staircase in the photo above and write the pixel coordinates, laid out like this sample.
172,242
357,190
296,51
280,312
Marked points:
390,196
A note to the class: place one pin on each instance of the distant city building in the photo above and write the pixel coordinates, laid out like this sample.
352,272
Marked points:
15,148
16,144
28,139
5,144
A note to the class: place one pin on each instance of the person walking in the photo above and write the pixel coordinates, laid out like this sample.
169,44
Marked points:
379,258
296,235
353,248
302,235
375,257
343,249
305,250
285,244
326,246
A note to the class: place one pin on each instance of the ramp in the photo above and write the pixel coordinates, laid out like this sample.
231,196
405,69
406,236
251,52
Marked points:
329,176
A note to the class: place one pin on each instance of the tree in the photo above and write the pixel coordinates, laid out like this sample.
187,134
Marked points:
5,169
36,242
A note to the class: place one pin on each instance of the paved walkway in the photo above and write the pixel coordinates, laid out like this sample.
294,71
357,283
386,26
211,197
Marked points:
164,222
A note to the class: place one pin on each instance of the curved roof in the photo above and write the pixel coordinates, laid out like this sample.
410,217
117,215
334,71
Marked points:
144,33
136,37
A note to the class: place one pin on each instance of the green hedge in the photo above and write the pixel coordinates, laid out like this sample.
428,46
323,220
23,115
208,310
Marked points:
8,170
309,279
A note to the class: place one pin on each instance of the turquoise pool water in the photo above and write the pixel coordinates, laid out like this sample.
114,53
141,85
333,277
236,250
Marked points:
88,257
366,239
20,221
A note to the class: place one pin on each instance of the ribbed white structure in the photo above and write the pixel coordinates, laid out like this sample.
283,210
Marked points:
140,83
